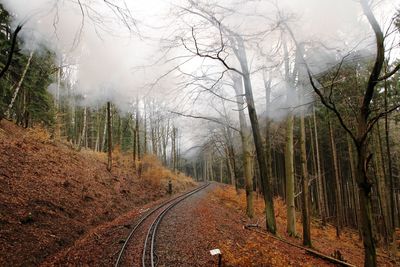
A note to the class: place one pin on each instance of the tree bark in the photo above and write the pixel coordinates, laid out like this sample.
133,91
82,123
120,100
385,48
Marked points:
83,134
289,170
362,133
338,191
265,179
109,135
134,139
145,128
165,136
173,148
355,187
137,131
390,170
21,80
289,153
305,182
320,182
268,145
97,144
11,52
381,184
231,158
103,141
245,136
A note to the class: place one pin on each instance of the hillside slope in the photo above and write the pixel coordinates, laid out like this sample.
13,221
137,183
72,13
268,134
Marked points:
50,194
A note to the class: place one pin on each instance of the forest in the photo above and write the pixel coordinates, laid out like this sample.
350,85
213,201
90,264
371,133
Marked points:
293,102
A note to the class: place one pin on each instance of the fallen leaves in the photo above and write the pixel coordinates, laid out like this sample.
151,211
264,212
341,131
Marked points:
324,238
48,189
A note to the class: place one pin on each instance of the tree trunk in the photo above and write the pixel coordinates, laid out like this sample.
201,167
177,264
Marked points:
98,129
355,187
103,141
268,146
57,119
365,207
361,140
205,168
119,132
338,191
83,134
137,131
210,166
173,148
381,184
145,128
245,136
289,153
195,170
21,80
390,170
230,167
289,170
134,139
262,164
109,134
153,141
221,168
231,158
305,181
165,137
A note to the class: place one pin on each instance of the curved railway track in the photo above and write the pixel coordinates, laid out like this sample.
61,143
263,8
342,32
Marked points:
149,224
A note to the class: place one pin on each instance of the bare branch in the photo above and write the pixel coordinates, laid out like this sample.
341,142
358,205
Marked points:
216,57
317,90
205,118
380,55
11,51
375,119
390,73
79,33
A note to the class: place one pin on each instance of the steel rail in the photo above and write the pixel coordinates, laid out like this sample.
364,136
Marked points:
154,226
146,216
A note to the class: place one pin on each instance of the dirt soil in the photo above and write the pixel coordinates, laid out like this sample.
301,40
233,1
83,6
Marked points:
213,218
52,196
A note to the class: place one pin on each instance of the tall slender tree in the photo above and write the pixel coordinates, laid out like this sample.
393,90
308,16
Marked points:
109,137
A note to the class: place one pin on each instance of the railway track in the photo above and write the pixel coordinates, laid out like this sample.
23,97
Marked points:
143,234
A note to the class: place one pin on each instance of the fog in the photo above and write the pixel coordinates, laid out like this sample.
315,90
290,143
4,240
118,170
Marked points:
120,54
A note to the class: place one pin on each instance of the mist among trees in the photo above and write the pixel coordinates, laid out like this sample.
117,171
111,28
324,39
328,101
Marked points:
296,100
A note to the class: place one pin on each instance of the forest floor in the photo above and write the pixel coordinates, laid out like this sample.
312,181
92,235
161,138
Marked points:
187,234
51,195
215,218
60,207
260,249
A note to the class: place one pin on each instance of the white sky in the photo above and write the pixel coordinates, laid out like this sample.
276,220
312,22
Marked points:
110,66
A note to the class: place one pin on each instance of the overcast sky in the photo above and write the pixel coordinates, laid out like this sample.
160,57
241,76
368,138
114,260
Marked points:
112,61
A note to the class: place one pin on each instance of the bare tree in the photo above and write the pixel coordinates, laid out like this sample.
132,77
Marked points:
362,128
21,80
237,44
109,136
12,50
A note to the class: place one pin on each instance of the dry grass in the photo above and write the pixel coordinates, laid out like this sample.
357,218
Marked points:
152,170
38,134
158,175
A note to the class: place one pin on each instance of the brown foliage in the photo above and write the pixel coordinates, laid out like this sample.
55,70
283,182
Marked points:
38,134
50,194
324,238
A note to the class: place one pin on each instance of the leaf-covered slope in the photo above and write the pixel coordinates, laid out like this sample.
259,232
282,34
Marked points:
50,194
